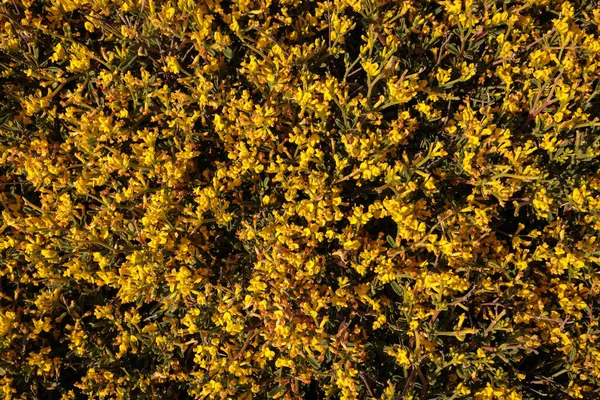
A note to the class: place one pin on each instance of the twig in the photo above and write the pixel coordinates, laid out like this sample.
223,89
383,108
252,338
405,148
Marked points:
137,21
246,343
362,376
409,382
439,58
424,386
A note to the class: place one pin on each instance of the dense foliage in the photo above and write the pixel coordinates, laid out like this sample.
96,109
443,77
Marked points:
348,199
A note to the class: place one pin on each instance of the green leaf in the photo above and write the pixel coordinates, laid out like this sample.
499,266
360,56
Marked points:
313,362
391,241
329,356
452,48
278,389
396,288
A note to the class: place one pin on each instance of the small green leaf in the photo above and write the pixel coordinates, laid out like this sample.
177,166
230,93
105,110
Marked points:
391,241
452,48
313,362
278,389
396,288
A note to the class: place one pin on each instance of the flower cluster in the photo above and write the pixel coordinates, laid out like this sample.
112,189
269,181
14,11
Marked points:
353,199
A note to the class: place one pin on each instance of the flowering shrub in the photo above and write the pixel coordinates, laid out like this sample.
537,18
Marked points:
348,199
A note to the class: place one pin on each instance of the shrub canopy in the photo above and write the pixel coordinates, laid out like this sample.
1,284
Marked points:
346,199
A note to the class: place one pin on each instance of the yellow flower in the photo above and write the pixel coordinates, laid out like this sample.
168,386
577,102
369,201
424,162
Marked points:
79,58
443,75
424,109
462,389
283,362
169,13
172,65
371,68
401,356
561,25
50,254
269,354
59,53
352,245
